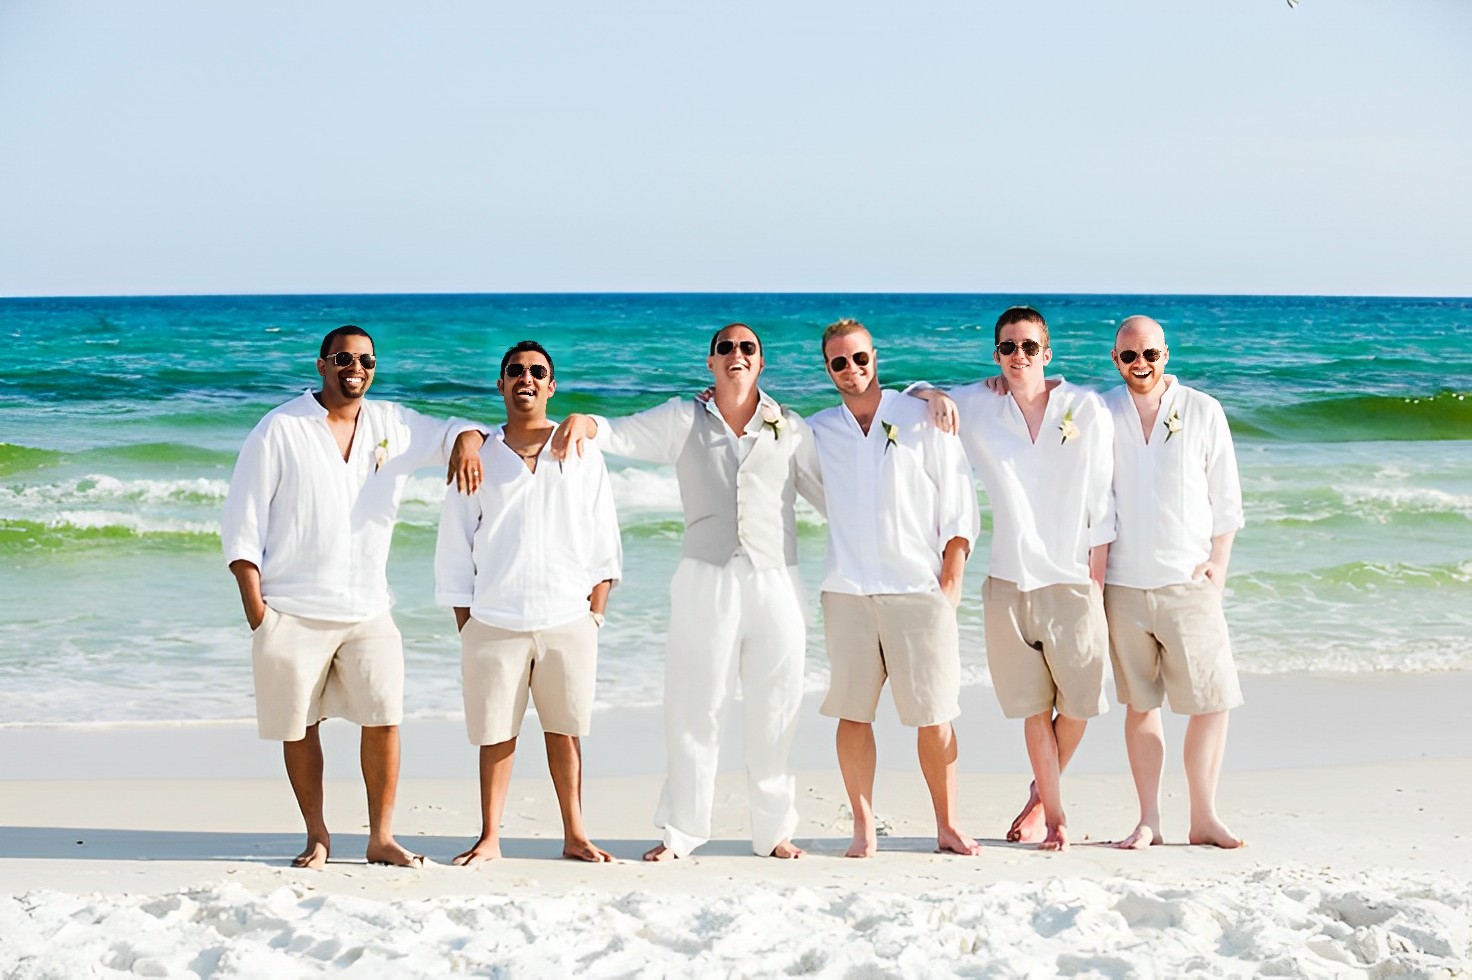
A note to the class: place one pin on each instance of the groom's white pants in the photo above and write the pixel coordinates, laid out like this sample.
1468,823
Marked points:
731,624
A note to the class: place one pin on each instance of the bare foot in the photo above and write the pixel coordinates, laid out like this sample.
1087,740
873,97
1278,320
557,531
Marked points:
660,853
394,855
1216,834
1029,827
585,850
1142,837
949,840
864,845
787,851
1057,839
314,856
482,850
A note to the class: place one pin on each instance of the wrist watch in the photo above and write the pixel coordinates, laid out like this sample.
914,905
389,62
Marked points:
598,619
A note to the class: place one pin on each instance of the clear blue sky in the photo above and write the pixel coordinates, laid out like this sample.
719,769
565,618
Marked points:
1077,145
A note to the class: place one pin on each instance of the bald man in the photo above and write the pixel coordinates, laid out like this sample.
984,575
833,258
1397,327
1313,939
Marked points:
1179,505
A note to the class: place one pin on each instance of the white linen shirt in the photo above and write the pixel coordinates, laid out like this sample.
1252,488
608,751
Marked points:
658,435
319,527
893,505
1173,494
525,550
1050,499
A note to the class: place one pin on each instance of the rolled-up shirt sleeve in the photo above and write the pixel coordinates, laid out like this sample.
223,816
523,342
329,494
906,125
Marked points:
957,511
1223,484
454,552
606,557
253,483
655,435
1099,500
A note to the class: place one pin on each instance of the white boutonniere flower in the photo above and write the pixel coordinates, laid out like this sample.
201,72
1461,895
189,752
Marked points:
1068,428
380,455
1172,423
771,418
891,434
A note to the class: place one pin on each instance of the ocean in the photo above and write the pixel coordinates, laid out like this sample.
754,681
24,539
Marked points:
120,419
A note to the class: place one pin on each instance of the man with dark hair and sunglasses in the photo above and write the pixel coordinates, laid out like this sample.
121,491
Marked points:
902,517
1179,506
306,531
736,603
1044,452
527,562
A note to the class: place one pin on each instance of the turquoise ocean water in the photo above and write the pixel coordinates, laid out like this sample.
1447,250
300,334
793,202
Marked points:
120,418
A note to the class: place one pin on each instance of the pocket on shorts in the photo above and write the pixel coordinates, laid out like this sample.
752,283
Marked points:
265,621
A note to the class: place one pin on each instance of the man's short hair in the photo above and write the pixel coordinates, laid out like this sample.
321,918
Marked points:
527,345
715,336
841,328
346,330
1019,314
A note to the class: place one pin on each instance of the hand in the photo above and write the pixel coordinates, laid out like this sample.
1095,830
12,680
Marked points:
997,385
254,617
1213,572
464,469
943,414
572,433
706,395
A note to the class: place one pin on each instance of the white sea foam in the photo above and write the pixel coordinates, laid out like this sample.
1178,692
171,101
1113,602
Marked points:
97,488
1283,922
1380,502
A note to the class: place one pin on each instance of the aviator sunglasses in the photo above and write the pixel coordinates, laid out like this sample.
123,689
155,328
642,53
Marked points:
1029,347
515,370
1150,354
724,347
839,363
344,358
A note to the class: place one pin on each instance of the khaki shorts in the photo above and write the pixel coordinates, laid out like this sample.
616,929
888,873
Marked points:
310,669
1171,642
557,667
910,639
1046,648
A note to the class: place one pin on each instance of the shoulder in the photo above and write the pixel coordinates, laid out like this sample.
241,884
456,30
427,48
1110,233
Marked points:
288,414
976,397
1117,399
904,411
1080,397
826,418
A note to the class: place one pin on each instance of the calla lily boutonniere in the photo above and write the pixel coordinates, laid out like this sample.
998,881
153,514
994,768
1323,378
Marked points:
772,418
891,434
1172,423
380,455
1068,428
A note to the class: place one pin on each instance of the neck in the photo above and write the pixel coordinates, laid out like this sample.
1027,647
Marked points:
339,409
1150,399
735,397
526,422
1033,390
865,404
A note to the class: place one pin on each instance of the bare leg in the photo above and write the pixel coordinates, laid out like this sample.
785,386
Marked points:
938,748
495,779
565,761
1046,737
378,754
1206,741
304,770
856,760
1144,740
1030,826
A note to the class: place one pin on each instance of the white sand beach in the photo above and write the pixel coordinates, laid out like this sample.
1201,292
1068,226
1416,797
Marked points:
164,851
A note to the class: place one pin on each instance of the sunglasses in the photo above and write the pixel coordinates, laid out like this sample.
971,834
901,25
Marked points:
724,347
1151,354
1029,347
514,370
344,358
838,364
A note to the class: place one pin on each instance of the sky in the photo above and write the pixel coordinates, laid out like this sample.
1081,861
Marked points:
340,146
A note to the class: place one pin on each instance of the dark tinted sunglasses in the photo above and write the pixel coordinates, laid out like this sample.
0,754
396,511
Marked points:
516,370
838,364
343,358
1150,354
724,347
1029,347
